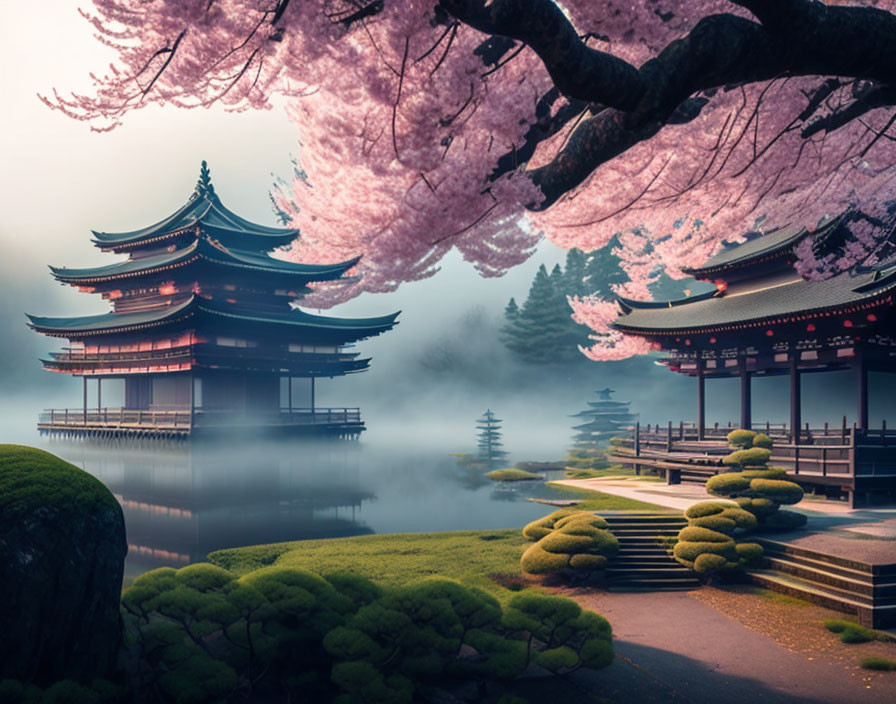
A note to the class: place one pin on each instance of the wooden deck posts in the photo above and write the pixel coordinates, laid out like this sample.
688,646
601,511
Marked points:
795,400
701,402
746,399
861,392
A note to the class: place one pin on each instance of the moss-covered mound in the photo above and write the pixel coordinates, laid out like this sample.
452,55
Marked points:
707,546
757,488
570,542
62,549
512,475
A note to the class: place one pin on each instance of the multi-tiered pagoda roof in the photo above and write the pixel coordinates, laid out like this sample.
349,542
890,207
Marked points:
200,292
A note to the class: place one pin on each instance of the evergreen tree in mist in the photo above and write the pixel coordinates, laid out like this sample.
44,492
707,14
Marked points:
542,330
491,450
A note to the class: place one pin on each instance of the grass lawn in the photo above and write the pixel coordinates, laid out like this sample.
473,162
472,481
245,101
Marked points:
614,471
598,501
512,475
467,556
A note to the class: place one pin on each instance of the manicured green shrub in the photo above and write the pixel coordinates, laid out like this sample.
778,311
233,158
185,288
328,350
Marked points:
759,489
741,438
763,440
706,545
874,662
569,542
202,634
752,457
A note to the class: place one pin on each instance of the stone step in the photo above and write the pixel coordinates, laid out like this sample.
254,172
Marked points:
815,592
626,574
826,566
777,548
828,577
642,560
642,533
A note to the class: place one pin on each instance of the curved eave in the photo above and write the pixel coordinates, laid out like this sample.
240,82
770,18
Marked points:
782,242
882,297
200,250
205,209
352,328
108,323
632,304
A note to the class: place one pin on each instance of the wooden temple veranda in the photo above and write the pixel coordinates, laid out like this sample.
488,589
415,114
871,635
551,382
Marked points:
763,319
204,332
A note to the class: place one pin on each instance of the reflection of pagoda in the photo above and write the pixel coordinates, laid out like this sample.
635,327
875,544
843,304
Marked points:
604,419
203,333
182,501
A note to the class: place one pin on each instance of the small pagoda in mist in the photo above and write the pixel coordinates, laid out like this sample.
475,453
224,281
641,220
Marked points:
203,331
604,418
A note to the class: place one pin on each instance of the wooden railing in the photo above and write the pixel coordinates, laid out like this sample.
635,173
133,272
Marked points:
818,452
123,418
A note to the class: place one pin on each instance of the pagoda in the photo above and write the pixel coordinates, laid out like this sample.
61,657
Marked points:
604,419
763,319
204,331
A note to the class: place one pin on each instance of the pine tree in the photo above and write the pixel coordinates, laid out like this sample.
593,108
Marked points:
491,450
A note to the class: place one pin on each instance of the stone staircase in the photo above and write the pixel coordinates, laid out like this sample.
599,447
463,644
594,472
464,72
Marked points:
643,564
864,590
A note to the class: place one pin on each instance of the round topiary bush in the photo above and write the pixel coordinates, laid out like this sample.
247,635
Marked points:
576,543
62,550
706,545
757,488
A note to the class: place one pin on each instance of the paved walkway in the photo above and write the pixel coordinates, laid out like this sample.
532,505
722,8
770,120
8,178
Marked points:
673,649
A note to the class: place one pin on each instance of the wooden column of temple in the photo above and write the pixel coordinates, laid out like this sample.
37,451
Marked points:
861,370
701,401
795,400
746,400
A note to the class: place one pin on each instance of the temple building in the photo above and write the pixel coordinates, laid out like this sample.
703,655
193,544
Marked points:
204,332
763,319
604,419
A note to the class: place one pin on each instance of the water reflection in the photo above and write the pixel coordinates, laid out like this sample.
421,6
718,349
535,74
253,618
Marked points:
183,501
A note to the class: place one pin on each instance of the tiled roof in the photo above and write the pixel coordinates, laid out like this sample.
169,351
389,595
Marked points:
722,309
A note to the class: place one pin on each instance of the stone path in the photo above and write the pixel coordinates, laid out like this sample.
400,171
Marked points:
673,649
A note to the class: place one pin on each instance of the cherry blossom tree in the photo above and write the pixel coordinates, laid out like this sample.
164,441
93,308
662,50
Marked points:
483,125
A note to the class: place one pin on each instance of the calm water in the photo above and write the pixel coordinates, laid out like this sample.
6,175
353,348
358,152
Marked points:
181,502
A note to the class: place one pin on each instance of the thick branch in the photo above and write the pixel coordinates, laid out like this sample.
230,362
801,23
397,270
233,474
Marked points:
857,42
579,71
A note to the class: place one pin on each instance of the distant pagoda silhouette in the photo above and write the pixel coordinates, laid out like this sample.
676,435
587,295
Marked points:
204,332
491,450
604,419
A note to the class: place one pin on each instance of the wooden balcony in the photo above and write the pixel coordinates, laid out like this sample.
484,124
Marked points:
182,424
846,458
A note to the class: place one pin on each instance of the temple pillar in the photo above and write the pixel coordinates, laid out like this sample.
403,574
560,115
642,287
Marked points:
701,402
312,395
289,392
795,400
746,398
85,399
99,394
861,370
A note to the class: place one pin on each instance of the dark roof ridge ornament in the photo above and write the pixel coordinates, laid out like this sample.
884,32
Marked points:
204,184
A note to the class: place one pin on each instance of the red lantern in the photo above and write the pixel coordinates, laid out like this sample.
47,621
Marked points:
847,323
769,332
712,340
810,327
872,318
